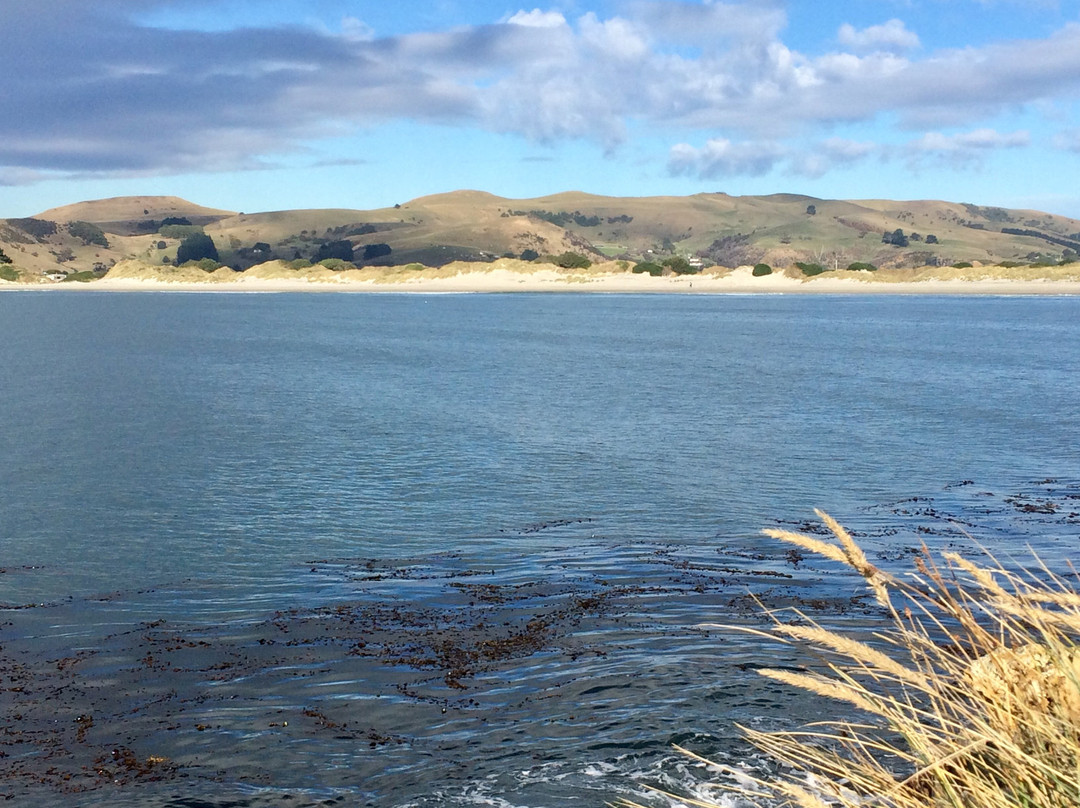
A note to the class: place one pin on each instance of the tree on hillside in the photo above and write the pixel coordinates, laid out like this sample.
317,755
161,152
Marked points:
895,238
811,210
88,233
196,247
4,258
342,250
373,251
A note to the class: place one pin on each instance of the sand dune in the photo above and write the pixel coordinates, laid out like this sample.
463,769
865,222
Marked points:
508,275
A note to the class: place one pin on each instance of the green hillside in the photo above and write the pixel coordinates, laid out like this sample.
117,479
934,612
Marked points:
704,229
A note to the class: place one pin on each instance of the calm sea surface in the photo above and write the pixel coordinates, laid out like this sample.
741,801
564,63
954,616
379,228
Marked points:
454,550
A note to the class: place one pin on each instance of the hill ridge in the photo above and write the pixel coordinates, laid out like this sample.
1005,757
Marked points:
707,228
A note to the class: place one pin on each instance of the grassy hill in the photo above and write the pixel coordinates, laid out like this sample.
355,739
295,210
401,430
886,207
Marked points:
780,229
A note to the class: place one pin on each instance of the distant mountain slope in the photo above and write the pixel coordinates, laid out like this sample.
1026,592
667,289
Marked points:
779,229
132,208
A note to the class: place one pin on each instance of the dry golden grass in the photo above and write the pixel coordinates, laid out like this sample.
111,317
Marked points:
970,698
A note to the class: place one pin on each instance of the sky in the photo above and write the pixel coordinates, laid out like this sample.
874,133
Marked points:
250,105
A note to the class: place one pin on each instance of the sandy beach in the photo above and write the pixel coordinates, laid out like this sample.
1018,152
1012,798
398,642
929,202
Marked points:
515,276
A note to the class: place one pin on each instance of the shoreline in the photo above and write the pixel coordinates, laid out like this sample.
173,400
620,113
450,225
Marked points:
501,280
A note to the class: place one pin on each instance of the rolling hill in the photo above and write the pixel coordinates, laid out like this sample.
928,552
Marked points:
707,229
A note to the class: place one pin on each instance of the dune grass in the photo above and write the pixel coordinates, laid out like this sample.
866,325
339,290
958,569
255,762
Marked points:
969,696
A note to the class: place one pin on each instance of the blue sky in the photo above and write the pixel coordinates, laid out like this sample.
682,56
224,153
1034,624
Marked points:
254,106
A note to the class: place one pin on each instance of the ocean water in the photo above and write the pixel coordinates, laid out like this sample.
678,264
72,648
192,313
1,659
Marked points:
415,550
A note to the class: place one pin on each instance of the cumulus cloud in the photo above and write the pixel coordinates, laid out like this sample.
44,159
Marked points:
537,19
88,88
891,36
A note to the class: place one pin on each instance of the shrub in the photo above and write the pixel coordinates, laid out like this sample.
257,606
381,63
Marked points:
810,269
299,263
8,272
196,247
648,267
529,255
761,270
969,698
80,277
680,266
4,258
179,231
572,260
1011,264
336,264
862,266
962,265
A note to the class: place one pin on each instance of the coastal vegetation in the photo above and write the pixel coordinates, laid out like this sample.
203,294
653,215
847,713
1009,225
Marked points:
572,260
196,247
969,699
682,235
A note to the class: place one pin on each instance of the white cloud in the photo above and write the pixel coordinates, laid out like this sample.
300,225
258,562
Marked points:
537,19
720,157
829,155
963,149
356,29
978,139
191,99
892,36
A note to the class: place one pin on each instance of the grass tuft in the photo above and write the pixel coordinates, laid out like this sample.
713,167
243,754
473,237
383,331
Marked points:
969,699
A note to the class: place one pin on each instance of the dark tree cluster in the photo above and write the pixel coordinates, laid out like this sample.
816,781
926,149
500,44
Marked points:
342,250
88,233
375,251
572,260
562,218
895,238
1063,242
38,228
196,247
4,258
